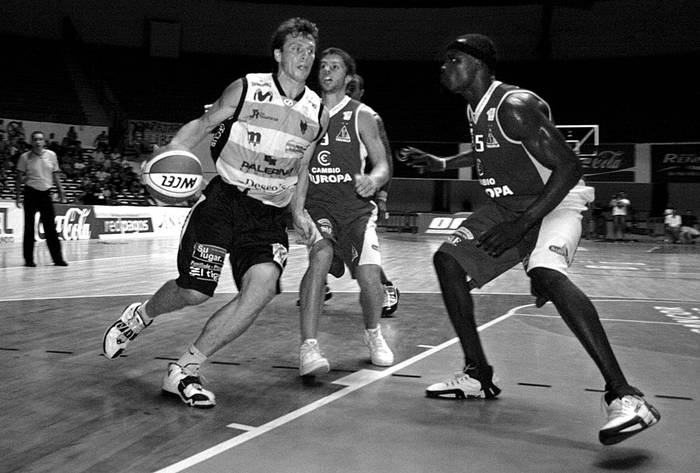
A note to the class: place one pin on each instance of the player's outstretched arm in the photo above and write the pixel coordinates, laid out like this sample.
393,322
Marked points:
422,161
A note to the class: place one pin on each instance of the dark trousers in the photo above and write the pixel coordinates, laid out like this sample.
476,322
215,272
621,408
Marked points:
40,201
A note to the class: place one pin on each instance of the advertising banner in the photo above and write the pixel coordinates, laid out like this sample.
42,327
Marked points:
675,163
612,162
85,222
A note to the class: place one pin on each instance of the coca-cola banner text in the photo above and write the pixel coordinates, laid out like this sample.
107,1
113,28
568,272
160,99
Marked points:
613,162
675,163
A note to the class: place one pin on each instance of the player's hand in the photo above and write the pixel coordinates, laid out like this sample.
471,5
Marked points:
365,185
383,213
420,160
305,227
501,237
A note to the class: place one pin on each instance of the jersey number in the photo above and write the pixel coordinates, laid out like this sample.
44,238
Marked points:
478,143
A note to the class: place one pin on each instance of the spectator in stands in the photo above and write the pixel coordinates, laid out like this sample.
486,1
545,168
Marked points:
672,224
101,142
689,227
619,207
3,131
38,171
53,144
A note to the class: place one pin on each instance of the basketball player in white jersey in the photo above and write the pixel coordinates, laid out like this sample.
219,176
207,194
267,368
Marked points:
533,179
265,131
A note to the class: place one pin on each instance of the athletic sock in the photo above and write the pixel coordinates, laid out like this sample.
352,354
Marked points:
191,360
141,310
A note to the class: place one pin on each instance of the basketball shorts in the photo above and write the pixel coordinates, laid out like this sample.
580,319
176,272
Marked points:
354,236
552,244
225,220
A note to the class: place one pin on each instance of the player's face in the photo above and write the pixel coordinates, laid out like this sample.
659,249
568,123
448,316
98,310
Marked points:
457,71
332,74
297,57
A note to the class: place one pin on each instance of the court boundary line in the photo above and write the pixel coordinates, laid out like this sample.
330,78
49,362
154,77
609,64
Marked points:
280,421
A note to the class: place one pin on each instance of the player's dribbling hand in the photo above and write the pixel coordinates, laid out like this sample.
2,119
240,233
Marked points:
501,237
365,185
420,160
382,210
304,226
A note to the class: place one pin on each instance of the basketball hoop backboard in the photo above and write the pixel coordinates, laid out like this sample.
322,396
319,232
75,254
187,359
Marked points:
583,139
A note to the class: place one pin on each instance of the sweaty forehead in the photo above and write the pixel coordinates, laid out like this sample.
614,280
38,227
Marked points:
299,39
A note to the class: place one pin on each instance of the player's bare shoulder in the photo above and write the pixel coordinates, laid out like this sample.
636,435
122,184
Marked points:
520,112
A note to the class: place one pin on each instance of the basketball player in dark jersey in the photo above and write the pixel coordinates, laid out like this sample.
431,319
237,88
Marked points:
534,215
355,90
339,200
266,128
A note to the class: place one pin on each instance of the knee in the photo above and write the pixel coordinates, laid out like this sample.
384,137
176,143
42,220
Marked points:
545,280
447,266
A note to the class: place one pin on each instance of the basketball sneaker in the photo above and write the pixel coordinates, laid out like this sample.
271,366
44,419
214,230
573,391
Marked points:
627,416
187,387
379,352
391,299
463,386
311,361
121,332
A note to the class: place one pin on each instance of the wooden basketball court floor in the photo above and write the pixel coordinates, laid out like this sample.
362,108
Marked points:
68,409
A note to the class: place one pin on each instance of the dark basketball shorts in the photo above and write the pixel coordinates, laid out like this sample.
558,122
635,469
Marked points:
225,220
354,236
552,244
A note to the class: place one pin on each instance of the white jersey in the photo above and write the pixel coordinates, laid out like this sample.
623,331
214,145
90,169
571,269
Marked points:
259,148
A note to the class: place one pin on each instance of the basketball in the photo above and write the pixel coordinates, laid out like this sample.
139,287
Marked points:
172,176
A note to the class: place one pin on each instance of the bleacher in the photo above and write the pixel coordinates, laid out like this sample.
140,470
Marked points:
36,83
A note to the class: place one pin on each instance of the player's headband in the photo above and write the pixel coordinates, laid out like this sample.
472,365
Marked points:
461,44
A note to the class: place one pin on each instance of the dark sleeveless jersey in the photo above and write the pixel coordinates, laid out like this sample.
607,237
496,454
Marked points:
338,157
506,170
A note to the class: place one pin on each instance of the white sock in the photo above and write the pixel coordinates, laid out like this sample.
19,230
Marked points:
191,360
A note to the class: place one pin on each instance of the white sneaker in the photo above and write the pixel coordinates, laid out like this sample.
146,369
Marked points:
121,332
311,361
379,352
187,387
627,416
462,386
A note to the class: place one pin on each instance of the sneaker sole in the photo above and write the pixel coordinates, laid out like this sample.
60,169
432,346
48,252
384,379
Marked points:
458,394
189,402
104,344
317,368
622,432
